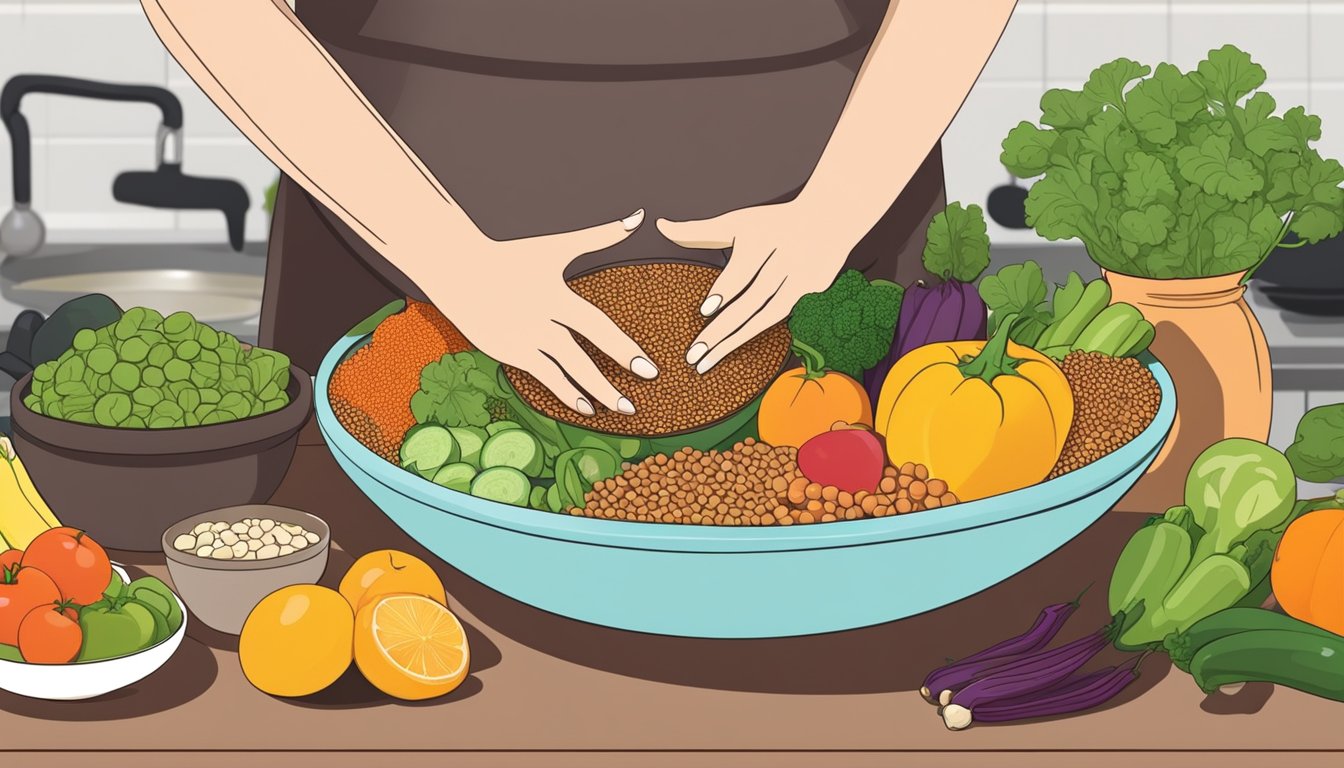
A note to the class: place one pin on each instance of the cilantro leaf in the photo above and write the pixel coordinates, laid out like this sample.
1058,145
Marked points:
1109,139
1228,74
1107,83
1062,108
958,245
1212,166
1147,181
454,391
1147,226
1017,289
1317,223
1026,150
1242,237
1060,205
1260,130
1306,128
1157,105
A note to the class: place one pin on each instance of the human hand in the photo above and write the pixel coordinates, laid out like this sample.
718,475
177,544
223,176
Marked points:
513,304
779,254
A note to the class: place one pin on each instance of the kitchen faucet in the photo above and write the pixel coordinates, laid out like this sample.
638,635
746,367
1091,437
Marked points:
22,232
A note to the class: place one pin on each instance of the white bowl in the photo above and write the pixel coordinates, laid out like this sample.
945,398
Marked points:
90,679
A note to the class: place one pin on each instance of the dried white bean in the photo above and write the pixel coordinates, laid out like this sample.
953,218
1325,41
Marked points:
239,549
253,545
217,527
282,536
254,532
268,538
204,551
286,550
250,556
185,542
298,542
239,528
251,538
222,554
312,538
228,538
205,537
201,528
268,551
267,525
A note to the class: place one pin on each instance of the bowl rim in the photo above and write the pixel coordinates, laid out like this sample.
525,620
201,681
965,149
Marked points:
121,570
1043,497
308,520
95,439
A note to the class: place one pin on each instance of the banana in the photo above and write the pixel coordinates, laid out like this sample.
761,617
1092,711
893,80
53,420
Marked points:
1109,330
1064,331
26,484
21,520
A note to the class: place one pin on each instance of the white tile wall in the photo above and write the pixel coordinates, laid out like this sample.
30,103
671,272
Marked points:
79,145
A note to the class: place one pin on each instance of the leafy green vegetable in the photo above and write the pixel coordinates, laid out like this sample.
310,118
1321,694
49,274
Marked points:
958,243
1317,453
1236,487
453,392
1017,289
850,325
1176,174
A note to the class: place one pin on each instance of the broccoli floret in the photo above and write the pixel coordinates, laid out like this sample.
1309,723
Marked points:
848,326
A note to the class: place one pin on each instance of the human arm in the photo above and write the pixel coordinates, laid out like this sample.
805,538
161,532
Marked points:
921,65
351,163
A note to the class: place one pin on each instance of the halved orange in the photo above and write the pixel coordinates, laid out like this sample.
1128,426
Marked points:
411,647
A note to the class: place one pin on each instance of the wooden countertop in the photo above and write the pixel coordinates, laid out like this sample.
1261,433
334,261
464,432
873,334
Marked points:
545,690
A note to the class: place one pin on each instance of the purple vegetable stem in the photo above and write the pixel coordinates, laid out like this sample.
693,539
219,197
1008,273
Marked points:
1088,691
963,671
1032,673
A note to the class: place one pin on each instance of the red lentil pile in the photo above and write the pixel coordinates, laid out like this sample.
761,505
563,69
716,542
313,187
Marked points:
658,305
751,484
371,392
1114,399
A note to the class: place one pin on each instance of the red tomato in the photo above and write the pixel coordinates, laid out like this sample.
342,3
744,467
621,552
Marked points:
77,563
22,590
9,559
50,634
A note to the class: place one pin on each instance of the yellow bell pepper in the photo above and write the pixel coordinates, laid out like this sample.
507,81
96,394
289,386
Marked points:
986,417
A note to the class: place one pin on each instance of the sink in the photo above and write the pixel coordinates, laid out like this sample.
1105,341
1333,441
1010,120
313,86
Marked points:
218,285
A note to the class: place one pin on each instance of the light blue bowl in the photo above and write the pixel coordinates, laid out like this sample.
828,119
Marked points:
694,581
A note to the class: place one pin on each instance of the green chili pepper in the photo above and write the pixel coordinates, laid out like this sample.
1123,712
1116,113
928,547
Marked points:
1214,583
1149,566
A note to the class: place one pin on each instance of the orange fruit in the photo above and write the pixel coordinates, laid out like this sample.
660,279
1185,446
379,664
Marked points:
297,640
387,572
411,647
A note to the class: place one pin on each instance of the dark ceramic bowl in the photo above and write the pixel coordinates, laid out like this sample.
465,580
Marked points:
125,486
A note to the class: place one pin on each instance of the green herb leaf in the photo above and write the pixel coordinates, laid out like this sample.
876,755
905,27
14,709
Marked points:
454,391
958,246
1228,74
1062,108
1212,166
1060,205
1026,150
368,324
1017,289
1107,83
1261,131
1156,106
1147,181
1147,226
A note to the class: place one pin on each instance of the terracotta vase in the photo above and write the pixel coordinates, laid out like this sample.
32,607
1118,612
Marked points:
1210,341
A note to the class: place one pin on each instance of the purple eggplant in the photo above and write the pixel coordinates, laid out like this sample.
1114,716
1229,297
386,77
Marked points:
1075,694
950,311
945,681
1031,673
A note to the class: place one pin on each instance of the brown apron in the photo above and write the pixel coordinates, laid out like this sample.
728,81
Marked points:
543,116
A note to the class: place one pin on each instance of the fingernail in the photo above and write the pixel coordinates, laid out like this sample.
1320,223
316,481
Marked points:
711,305
643,368
704,366
697,351
633,220
625,406
583,406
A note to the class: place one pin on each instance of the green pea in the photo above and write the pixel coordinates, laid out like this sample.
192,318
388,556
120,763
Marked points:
179,326
112,409
125,376
151,337
146,395
229,355
101,359
134,350
143,411
276,404
161,422
205,374
70,370
44,372
132,422
69,388
127,326
83,417
76,403
152,377
151,318
102,384
33,403
175,388
160,354
104,335
210,395
36,387
188,350
189,399
167,409
207,337
203,410
215,417
208,356
176,370
269,392
50,396
190,420
84,339
55,411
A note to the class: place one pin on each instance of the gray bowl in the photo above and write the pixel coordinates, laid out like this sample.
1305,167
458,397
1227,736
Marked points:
221,593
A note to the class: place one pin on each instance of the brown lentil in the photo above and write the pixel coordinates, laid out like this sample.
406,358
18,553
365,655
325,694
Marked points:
658,305
751,484
1114,399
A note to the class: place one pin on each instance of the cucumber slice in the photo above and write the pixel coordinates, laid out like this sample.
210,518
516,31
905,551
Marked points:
469,442
456,476
515,448
503,484
426,448
495,427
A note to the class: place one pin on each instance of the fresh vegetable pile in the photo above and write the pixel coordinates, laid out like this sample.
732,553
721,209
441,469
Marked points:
1192,583
61,602
147,371
1169,174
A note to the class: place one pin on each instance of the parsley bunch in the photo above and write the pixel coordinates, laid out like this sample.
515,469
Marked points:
1177,175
